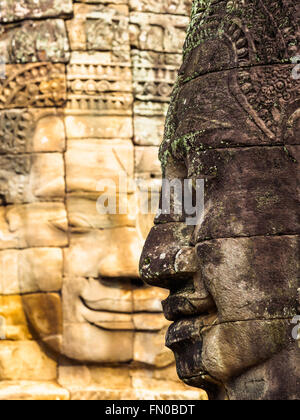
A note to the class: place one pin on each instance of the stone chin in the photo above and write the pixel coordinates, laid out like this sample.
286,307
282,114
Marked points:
101,347
211,357
187,344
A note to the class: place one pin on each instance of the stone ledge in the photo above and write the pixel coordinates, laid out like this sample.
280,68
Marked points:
32,391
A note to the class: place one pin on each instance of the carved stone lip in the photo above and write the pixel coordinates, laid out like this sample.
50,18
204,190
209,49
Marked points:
178,307
188,329
100,305
134,321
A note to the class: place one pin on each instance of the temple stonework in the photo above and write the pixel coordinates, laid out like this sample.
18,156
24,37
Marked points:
234,278
84,92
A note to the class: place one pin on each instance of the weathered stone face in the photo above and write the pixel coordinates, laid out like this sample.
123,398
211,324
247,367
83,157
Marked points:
84,90
233,121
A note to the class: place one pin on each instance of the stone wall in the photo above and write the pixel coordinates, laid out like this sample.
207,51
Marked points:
83,98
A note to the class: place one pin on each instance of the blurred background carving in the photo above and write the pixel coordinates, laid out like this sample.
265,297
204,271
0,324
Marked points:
84,96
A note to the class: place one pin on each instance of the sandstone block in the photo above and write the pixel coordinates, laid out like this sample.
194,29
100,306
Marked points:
32,391
158,257
95,73
229,344
81,296
25,360
31,270
99,394
160,33
99,345
33,225
101,127
148,299
31,130
23,43
205,52
260,272
88,162
248,210
100,28
83,214
243,100
150,322
14,10
182,7
106,253
29,178
148,131
150,348
91,383
154,74
44,313
147,162
42,85
14,323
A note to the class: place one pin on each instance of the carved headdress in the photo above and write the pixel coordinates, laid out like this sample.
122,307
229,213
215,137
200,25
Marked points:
251,43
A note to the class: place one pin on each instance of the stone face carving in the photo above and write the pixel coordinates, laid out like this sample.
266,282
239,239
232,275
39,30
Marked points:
234,122
78,96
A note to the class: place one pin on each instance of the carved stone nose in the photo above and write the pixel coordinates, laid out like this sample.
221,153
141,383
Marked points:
167,257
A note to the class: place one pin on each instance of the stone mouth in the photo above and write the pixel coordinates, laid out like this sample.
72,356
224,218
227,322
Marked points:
183,306
94,313
189,330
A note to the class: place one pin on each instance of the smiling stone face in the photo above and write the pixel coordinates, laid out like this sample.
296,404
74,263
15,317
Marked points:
232,122
106,311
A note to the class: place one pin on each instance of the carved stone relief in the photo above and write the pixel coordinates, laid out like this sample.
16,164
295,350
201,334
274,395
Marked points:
75,109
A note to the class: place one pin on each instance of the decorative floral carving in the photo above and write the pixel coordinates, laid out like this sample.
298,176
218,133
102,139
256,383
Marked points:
33,85
269,90
14,129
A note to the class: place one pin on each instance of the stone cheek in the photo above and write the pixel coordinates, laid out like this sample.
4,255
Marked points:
230,342
261,276
42,270
28,179
249,209
47,220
